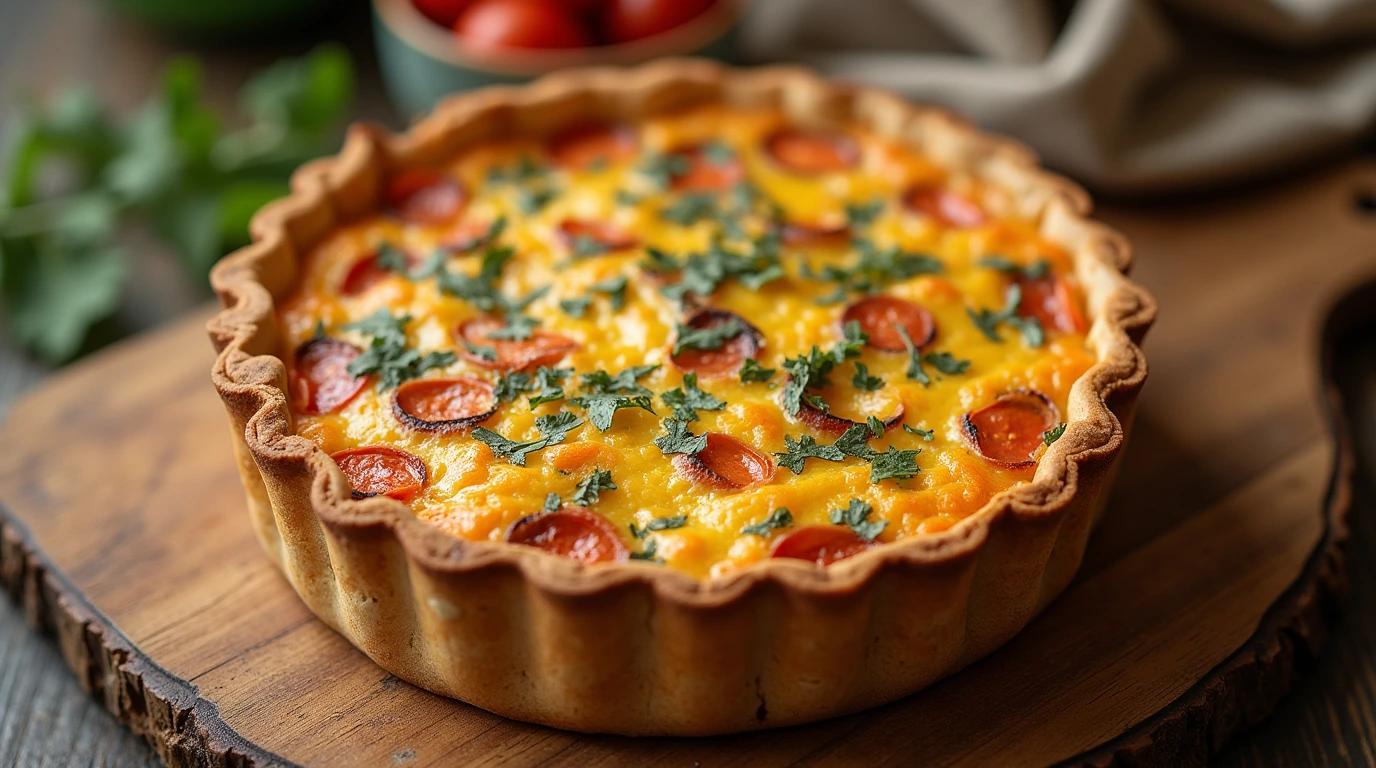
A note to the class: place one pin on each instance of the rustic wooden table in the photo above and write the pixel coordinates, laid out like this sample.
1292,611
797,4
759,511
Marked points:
45,717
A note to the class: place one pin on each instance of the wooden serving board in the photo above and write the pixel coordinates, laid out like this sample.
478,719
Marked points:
125,535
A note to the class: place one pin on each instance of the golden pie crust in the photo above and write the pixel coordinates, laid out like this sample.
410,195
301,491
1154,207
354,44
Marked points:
635,648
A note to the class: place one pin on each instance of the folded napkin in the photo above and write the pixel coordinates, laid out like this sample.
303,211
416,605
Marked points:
1135,97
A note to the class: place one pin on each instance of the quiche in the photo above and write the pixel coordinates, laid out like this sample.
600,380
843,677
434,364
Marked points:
678,400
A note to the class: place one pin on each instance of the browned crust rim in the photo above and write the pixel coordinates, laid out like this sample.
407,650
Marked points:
247,374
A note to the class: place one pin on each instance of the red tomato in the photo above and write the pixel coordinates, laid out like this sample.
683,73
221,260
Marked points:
498,25
442,12
633,19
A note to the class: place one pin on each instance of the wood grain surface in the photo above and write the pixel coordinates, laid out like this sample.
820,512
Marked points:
47,719
130,495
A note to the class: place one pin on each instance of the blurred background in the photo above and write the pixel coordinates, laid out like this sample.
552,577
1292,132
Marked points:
139,136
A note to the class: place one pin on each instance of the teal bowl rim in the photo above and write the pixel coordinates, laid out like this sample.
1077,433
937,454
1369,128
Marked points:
408,24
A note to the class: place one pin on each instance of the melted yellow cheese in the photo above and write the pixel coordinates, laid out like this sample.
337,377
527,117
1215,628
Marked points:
475,495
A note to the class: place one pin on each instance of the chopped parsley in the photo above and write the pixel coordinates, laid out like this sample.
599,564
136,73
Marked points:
658,524
854,515
517,328
552,502
481,350
535,188
553,429
718,153
779,518
798,450
855,441
708,338
627,198
894,464
809,371
648,553
602,408
615,288
987,320
603,394
700,274
864,214
690,208
513,385
863,381
687,399
625,382
874,267
585,247
388,356
752,371
1034,271
545,382
877,427
392,259
576,306
944,362
925,434
589,490
1052,435
679,439
662,168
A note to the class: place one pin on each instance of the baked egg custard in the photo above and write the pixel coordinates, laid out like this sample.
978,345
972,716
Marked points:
701,340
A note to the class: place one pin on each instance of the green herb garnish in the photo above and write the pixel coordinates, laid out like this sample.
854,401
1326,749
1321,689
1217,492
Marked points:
707,338
589,490
752,371
1052,435
987,321
615,288
658,524
687,399
779,518
690,208
798,450
388,356
894,463
552,502
809,371
863,381
1034,271
925,434
553,429
854,516
679,439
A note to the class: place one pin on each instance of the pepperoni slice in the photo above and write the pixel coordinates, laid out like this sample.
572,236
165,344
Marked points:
881,316
572,532
585,146
826,421
1052,301
321,380
1009,430
607,235
814,235
812,152
820,544
706,173
542,348
364,274
727,359
444,405
376,470
425,196
725,463
943,205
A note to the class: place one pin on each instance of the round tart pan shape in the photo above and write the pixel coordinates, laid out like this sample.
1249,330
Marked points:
634,648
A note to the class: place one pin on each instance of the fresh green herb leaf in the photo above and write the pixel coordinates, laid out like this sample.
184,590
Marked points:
552,502
484,351
863,381
648,553
602,408
392,259
798,450
553,429
589,490
894,464
625,382
779,518
925,434
387,355
877,428
809,371
864,214
699,274
627,198
319,332
947,363
512,385
687,399
615,288
708,338
531,200
547,385
658,524
855,442
1052,435
575,307
987,321
752,371
585,247
662,169
875,267
718,153
854,515
679,439
517,328
690,208
1034,271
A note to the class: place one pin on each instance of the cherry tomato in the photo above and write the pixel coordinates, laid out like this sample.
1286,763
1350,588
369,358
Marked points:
500,25
442,12
628,20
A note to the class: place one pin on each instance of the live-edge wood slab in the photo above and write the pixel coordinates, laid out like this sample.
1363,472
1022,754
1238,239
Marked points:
1211,576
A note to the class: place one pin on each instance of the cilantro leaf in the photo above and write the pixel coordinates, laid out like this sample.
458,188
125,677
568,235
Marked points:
589,490
658,524
894,464
393,259
547,381
553,429
947,363
484,351
855,442
552,502
854,516
864,214
382,326
809,371
915,370
877,427
517,328
602,408
648,553
679,439
987,320
576,306
707,338
512,385
863,381
625,382
779,518
752,371
615,288
875,267
1034,271
690,208
798,450
585,247
1052,435
662,168
699,274
388,356
687,399
925,434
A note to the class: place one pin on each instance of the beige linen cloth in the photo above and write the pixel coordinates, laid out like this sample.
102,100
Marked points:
1136,97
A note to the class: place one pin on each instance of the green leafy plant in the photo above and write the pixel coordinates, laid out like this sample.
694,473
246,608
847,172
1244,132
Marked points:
76,175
